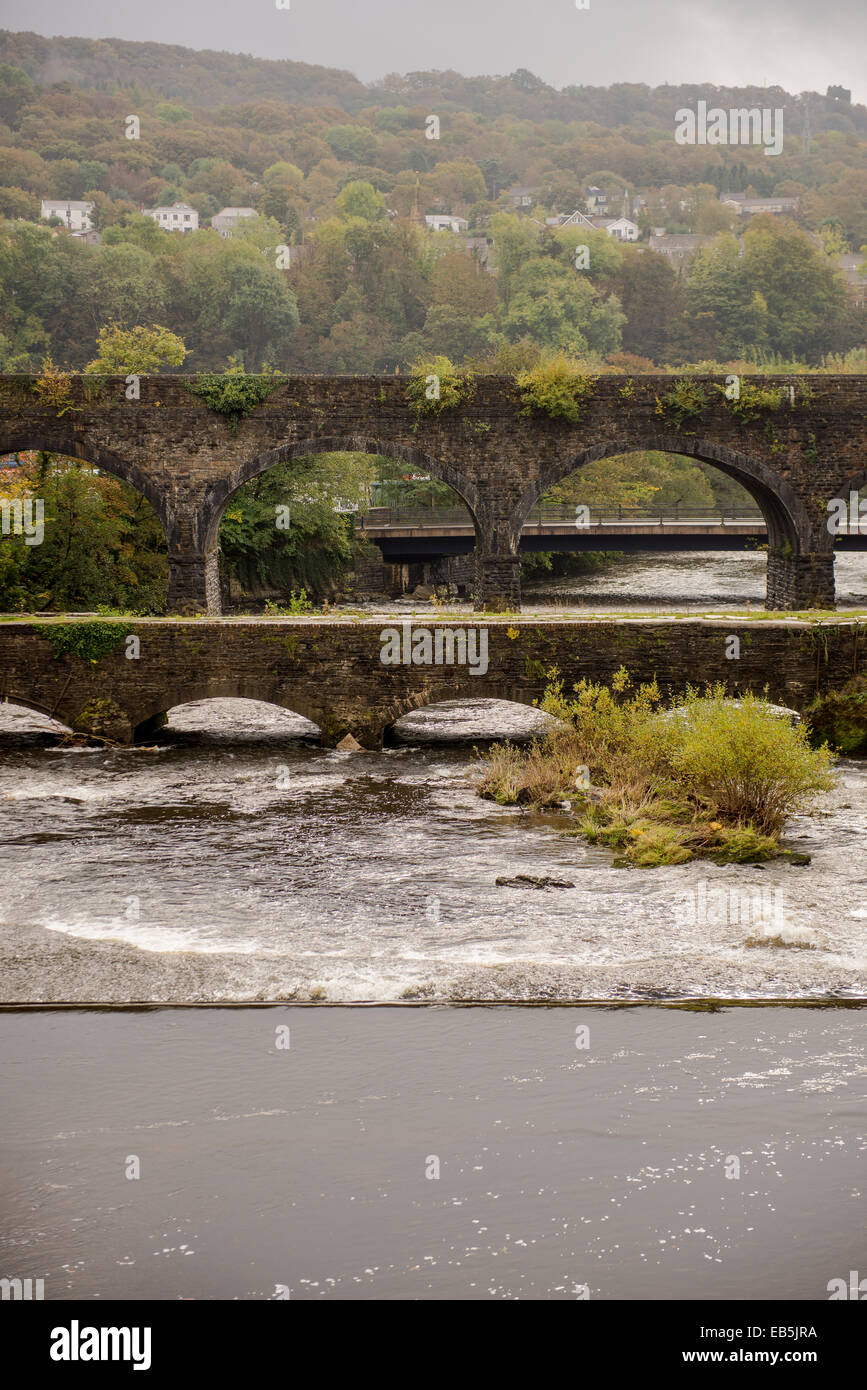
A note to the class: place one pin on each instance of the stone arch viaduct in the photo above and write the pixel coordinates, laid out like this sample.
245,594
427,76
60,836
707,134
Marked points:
188,460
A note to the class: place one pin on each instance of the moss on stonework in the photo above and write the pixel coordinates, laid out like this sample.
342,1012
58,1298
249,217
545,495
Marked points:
233,393
839,717
102,718
88,641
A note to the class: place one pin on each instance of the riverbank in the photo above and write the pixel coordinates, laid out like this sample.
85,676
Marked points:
433,1154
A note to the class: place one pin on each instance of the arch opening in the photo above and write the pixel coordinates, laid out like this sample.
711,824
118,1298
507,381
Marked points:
225,715
77,536
688,499
24,722
340,525
467,720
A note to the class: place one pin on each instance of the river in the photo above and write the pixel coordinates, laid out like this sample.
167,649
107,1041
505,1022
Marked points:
463,1153
237,860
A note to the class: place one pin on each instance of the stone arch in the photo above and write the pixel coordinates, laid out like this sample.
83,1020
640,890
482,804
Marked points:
219,494
526,699
22,440
19,701
786,517
144,719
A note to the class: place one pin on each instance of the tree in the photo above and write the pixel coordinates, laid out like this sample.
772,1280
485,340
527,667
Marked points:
360,199
103,544
16,91
261,313
551,304
457,182
314,548
714,217
515,240
652,298
727,317
123,351
805,299
123,288
457,280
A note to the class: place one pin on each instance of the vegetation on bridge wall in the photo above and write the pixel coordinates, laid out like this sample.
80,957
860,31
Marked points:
87,641
233,393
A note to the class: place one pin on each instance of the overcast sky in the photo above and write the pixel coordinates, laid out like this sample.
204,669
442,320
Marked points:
797,44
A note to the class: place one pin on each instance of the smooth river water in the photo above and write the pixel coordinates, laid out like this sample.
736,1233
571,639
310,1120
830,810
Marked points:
462,1153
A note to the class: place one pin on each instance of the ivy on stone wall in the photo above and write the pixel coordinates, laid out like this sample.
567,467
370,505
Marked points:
88,641
685,401
557,387
755,402
436,384
234,393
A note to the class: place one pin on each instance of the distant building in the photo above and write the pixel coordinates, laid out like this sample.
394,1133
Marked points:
444,222
294,254
850,265
571,219
523,196
73,214
677,248
480,248
226,220
180,217
595,201
750,207
621,228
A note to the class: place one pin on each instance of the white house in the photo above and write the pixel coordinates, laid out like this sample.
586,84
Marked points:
74,214
621,228
444,222
226,220
180,217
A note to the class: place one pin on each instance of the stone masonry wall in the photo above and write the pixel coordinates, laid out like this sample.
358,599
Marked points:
331,671
189,460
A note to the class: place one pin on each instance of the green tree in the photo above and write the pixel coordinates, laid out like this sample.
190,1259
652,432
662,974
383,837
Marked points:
360,199
129,350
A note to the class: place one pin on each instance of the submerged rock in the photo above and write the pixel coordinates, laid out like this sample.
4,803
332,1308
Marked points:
528,881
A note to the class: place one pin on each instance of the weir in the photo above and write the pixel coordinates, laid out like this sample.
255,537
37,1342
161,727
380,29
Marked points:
358,676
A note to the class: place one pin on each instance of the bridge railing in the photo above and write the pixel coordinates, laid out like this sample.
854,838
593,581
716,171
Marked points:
563,514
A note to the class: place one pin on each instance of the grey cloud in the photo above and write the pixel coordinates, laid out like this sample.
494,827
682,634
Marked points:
796,44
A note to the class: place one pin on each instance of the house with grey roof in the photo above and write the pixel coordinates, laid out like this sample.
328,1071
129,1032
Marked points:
750,207
226,220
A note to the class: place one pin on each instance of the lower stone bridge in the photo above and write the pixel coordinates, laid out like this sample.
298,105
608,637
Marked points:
117,678
799,446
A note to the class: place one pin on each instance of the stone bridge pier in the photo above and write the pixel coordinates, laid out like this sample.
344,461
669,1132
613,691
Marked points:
194,581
